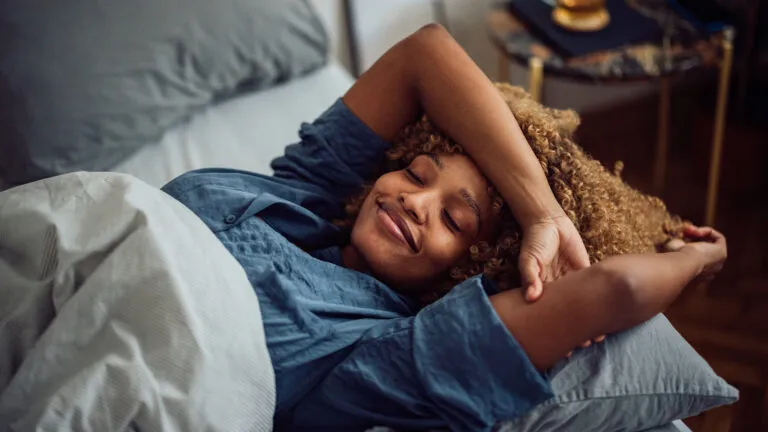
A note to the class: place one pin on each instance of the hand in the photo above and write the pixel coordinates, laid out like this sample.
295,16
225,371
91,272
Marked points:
586,344
706,245
550,248
709,247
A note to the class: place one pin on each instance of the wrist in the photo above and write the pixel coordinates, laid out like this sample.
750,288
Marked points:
693,258
545,215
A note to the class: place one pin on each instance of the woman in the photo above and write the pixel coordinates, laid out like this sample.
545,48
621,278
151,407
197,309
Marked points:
350,342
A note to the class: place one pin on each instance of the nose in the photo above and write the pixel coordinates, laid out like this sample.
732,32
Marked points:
416,205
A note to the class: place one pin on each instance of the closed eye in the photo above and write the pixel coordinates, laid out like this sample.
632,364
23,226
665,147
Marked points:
413,177
450,222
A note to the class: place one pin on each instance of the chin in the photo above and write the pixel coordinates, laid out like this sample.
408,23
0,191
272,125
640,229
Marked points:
379,259
373,251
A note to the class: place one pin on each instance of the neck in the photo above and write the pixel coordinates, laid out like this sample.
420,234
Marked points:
351,259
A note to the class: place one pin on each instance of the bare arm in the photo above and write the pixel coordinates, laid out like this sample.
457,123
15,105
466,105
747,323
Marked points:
429,72
607,297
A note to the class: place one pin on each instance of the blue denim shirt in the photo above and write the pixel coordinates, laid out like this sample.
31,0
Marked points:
348,351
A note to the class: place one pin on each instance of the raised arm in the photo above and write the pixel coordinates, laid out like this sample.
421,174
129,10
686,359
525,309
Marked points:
607,297
430,73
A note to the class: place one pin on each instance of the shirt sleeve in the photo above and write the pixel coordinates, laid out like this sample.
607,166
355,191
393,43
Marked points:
337,153
452,365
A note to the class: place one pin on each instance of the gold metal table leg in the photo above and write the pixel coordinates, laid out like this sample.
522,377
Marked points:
662,139
536,78
719,131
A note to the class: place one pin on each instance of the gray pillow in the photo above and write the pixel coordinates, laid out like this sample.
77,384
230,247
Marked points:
85,83
638,379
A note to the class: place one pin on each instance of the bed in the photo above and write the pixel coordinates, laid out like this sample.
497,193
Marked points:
246,131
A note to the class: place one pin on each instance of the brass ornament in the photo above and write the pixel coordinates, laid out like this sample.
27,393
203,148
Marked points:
581,15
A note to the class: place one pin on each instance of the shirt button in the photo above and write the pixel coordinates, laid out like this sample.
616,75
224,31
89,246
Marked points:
230,219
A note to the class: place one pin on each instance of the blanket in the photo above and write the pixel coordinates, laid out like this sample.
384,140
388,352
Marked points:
120,310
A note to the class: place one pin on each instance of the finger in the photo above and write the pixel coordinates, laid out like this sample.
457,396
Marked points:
528,270
697,232
713,236
600,338
716,236
701,231
529,276
569,355
582,259
534,291
689,229
585,344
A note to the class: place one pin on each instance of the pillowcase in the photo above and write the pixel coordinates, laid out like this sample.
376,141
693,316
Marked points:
85,83
638,379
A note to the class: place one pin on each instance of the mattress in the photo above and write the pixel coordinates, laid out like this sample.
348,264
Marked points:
246,132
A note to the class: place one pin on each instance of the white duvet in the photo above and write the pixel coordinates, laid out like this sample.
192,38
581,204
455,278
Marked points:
119,310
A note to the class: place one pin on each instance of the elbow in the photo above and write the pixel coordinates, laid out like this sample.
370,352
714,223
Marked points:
625,297
424,51
431,38
434,29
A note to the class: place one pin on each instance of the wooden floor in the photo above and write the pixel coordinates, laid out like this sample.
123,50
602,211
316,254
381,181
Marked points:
727,322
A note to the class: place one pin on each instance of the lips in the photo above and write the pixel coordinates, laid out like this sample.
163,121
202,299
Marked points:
400,228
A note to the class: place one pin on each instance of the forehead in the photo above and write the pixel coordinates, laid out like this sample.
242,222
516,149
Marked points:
459,171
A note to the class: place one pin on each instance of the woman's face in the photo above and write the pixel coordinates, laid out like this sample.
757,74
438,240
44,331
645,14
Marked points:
417,223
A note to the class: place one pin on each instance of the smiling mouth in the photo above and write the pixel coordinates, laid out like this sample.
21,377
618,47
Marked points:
400,228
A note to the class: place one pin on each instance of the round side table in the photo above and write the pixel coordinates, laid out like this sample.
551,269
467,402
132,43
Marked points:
641,62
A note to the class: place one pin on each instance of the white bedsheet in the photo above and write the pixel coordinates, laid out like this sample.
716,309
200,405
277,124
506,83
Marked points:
243,133
121,310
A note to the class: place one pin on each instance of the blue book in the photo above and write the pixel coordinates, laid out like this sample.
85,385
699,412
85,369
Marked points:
627,26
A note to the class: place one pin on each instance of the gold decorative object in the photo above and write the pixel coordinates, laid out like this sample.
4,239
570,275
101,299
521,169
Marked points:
717,139
581,15
536,78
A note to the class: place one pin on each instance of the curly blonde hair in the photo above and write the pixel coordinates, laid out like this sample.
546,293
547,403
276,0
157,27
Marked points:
612,217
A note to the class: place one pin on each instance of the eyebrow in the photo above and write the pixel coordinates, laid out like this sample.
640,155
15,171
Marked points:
468,200
436,159
472,205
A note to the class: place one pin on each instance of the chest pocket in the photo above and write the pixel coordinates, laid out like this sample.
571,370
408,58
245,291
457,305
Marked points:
219,207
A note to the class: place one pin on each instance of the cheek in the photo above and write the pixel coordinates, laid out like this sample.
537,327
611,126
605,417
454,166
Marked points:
444,249
389,183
